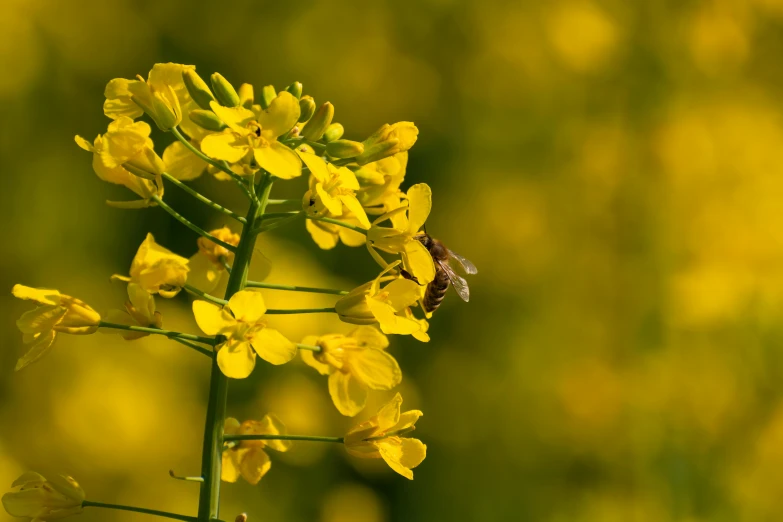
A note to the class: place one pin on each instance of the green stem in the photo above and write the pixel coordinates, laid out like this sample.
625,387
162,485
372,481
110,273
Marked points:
275,311
273,215
211,456
292,288
195,291
200,349
338,223
204,199
283,201
154,512
308,347
280,222
313,438
191,226
167,333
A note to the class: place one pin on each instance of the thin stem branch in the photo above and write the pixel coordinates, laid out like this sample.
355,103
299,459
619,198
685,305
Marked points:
195,291
204,199
338,223
225,264
313,438
273,215
154,512
191,226
283,201
275,311
285,218
293,288
199,349
166,333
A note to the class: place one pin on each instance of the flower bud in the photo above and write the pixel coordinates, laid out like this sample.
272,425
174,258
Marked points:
80,317
388,141
207,120
318,124
242,517
224,92
147,164
167,112
333,132
268,94
42,499
295,89
352,308
344,149
246,95
197,88
306,108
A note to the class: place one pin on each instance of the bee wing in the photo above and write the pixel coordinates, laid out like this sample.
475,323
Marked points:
459,284
466,265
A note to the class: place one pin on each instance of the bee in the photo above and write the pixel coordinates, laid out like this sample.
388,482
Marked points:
444,273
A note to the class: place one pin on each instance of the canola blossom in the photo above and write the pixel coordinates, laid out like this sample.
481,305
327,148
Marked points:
253,140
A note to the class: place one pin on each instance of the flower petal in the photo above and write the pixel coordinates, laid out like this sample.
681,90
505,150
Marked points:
353,205
332,204
419,206
41,319
225,145
204,274
273,347
323,234
280,117
419,262
44,296
370,337
271,425
308,357
254,465
41,347
236,118
181,163
389,414
236,359
348,395
278,160
229,471
211,318
247,306
316,165
402,454
375,369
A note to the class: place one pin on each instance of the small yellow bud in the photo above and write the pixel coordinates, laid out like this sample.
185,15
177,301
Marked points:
344,148
246,95
306,108
295,89
318,124
197,88
268,94
333,132
352,308
207,120
224,92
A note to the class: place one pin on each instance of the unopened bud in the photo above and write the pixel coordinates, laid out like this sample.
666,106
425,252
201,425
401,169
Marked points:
295,89
206,120
334,132
388,141
318,124
376,152
166,114
268,94
224,92
344,149
242,517
197,88
306,108
246,95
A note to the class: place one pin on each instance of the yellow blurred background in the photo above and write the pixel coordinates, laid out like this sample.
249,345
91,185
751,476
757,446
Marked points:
614,169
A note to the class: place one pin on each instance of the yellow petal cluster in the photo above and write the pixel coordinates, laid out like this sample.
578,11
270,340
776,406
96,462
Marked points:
206,265
241,321
388,305
37,498
127,145
402,236
139,311
388,141
56,313
247,458
380,183
383,436
355,363
156,269
252,135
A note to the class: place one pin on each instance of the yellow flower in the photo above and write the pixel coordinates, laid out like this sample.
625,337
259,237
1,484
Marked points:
380,183
57,313
254,134
241,321
139,311
163,96
388,141
355,363
383,437
156,269
247,458
402,237
44,500
388,306
206,267
126,145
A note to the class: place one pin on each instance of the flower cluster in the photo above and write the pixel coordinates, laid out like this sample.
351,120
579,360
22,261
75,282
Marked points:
252,141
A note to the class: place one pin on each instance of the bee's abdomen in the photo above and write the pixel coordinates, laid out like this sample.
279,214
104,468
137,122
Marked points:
436,291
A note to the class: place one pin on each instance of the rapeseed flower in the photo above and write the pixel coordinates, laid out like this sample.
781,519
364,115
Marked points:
383,436
206,265
247,458
139,311
42,500
355,363
241,321
156,269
